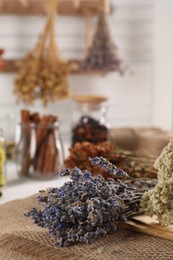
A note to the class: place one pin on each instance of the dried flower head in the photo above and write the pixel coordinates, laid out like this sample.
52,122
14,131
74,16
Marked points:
164,163
159,201
136,166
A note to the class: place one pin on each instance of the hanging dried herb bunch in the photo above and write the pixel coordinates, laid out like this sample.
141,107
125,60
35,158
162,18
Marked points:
102,55
159,201
43,74
87,207
136,166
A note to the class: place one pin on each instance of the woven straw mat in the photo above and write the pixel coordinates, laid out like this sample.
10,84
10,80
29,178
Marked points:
21,239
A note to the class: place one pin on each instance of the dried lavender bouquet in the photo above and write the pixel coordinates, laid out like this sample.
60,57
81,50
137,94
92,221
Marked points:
87,207
102,55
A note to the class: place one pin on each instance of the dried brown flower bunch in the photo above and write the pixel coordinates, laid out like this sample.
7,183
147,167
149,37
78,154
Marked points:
136,166
80,153
43,74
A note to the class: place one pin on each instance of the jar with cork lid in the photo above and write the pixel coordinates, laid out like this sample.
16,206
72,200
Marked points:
90,120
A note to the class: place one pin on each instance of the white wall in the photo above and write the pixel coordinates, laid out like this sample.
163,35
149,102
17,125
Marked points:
130,96
163,57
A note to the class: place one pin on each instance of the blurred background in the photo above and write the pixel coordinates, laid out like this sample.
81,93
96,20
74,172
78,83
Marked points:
143,34
140,99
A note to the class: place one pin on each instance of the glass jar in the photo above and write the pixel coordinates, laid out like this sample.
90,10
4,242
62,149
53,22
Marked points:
89,120
2,159
40,151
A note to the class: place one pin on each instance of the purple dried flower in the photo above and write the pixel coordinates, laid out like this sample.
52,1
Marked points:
112,169
86,207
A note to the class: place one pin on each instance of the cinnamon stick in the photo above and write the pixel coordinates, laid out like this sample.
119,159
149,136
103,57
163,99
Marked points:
35,118
51,148
40,160
26,139
50,154
56,162
43,156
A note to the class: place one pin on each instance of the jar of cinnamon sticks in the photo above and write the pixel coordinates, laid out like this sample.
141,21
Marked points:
40,150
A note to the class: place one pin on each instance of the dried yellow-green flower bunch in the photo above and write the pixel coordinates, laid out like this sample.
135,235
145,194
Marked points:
164,163
54,83
49,84
27,80
159,201
43,74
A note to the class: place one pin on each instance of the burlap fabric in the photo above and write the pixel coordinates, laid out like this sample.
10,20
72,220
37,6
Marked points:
144,141
20,239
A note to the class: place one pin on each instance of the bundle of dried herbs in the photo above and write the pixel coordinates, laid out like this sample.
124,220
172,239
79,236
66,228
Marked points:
87,207
159,201
136,166
43,74
102,55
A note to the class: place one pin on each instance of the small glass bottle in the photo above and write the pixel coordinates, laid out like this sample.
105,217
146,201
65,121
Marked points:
2,159
90,121
40,150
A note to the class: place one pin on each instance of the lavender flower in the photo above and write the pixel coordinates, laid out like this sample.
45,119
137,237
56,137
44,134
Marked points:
112,169
86,207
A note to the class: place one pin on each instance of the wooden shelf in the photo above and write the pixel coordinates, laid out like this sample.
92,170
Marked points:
12,66
87,8
66,7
